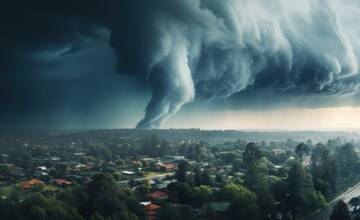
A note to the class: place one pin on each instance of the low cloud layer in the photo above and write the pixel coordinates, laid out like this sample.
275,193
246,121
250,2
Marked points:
206,48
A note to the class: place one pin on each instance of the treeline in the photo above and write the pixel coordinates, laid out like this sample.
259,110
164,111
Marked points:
99,200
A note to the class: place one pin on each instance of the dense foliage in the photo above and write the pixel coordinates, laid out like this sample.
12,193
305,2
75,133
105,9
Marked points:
275,180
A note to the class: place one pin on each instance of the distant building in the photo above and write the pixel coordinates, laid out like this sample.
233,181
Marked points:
278,151
306,161
55,158
145,203
30,183
62,182
42,168
129,173
166,166
151,211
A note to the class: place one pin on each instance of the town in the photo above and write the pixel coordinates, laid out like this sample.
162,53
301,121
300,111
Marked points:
131,174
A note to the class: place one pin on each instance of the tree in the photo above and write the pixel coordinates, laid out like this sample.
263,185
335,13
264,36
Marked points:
181,173
355,202
251,157
198,176
201,195
37,207
151,145
206,178
251,154
176,213
183,192
97,216
340,212
109,200
301,150
165,148
300,191
243,202
325,170
348,159
253,175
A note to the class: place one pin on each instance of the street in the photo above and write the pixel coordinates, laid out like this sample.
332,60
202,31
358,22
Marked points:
346,197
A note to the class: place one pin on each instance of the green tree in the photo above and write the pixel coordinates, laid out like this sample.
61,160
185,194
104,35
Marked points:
108,199
301,150
251,154
97,216
201,195
348,159
325,171
243,202
198,176
37,207
251,157
301,196
181,173
355,202
183,193
206,178
340,212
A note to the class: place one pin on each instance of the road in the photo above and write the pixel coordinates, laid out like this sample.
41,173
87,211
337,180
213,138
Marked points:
152,177
346,197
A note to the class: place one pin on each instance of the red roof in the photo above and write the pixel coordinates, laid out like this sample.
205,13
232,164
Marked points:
29,184
158,195
168,166
62,182
152,207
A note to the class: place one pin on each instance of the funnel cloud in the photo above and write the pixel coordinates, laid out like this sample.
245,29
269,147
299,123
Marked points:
200,49
215,49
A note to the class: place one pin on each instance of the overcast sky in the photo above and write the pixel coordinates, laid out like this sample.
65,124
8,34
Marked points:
236,64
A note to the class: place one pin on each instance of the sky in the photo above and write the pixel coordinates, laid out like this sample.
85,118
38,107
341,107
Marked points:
231,64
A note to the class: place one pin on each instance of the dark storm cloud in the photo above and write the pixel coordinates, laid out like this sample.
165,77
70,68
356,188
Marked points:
29,27
217,49
205,48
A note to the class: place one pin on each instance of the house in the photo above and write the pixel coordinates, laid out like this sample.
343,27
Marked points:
278,151
145,203
30,183
157,195
151,211
62,182
307,161
166,166
42,168
55,158
129,173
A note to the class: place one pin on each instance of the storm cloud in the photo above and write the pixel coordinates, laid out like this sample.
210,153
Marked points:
209,49
215,49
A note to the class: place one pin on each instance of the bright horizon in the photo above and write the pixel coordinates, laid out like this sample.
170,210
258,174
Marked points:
339,118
